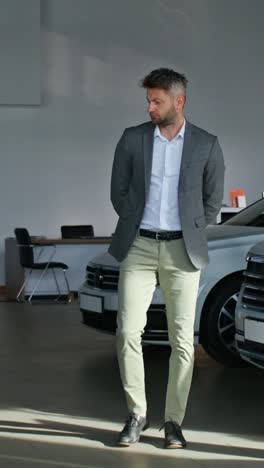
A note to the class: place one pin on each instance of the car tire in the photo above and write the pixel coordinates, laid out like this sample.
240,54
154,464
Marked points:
217,329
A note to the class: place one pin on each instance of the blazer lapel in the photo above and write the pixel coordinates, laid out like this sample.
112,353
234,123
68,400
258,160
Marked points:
187,151
148,137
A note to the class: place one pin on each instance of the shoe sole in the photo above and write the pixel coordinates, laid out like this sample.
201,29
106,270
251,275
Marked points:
123,444
175,446
126,444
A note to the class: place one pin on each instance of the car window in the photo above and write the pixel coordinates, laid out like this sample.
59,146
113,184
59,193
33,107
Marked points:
252,215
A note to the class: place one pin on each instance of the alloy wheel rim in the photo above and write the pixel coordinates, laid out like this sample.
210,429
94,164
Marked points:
226,323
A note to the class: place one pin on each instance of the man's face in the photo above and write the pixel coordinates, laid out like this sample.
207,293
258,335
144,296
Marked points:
164,108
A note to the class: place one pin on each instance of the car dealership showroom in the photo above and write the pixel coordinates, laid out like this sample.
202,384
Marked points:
132,234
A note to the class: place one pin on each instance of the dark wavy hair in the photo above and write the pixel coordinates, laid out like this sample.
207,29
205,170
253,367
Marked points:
166,79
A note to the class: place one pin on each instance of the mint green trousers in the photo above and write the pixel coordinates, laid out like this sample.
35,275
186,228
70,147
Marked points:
179,282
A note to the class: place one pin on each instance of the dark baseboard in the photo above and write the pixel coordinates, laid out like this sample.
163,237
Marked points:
37,298
2,290
49,298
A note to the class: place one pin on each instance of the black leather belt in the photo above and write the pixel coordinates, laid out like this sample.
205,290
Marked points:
161,235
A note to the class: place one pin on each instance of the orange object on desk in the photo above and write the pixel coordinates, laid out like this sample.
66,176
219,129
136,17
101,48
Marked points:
233,194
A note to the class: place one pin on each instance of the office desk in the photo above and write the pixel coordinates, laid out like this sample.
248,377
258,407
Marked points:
84,241
76,253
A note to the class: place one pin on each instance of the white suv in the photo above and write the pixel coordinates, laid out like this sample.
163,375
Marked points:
218,291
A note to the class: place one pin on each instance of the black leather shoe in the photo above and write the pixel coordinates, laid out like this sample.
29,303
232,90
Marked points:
173,435
131,431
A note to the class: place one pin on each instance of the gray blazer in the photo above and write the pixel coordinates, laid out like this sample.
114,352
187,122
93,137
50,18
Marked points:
200,192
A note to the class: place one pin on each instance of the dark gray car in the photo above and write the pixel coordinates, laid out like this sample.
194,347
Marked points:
249,314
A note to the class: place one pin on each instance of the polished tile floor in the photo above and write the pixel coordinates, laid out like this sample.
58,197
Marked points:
61,401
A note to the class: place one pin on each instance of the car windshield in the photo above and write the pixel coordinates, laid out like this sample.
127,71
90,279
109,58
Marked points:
253,215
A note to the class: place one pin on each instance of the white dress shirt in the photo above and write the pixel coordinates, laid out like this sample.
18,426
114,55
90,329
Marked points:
162,209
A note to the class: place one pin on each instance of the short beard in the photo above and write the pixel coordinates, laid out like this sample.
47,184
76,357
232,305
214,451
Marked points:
169,119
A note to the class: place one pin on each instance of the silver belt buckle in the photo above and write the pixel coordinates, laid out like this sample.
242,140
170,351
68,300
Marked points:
157,236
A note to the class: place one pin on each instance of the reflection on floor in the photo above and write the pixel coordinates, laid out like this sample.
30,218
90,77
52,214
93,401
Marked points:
62,405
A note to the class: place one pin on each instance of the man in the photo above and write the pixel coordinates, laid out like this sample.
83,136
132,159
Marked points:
167,186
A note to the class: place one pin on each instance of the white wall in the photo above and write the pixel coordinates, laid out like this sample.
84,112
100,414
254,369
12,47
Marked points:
56,159
19,52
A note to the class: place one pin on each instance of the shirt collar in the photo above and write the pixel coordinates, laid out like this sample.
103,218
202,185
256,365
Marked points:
162,137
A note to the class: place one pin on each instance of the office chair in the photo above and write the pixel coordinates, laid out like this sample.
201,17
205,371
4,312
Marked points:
26,255
77,232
